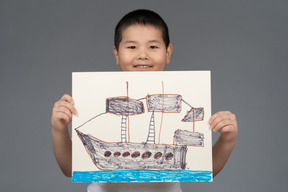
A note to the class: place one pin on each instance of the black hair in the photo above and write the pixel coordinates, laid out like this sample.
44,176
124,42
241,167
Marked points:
142,17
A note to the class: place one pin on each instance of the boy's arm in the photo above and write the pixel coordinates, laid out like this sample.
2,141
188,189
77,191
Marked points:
225,123
62,144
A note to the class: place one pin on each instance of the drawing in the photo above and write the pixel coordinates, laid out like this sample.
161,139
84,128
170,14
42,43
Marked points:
146,155
141,127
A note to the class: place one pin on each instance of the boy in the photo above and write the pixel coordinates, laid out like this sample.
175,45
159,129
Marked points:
141,43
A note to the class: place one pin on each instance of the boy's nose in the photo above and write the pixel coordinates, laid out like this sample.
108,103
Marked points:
142,54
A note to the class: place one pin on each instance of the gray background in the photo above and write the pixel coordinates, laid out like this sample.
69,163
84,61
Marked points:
244,44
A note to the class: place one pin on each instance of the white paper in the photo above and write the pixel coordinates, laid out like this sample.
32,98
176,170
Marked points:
96,118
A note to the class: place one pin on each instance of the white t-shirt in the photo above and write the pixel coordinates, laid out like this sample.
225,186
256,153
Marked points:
132,187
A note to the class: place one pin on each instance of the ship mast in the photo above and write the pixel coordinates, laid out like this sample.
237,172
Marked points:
125,122
151,132
162,111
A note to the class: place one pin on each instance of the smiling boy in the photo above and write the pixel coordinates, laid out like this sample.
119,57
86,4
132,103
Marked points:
141,43
142,49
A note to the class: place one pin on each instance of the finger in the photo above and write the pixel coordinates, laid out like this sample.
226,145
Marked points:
213,117
62,116
218,114
219,119
221,124
67,105
226,129
233,117
65,110
67,98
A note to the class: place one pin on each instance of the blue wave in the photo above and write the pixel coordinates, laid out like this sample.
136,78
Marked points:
141,175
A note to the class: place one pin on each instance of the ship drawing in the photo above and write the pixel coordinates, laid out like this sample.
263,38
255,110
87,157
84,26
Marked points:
148,154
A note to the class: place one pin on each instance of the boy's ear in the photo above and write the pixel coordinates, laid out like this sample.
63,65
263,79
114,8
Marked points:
116,55
168,53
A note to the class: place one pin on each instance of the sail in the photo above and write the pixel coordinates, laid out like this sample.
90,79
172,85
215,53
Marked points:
184,137
167,103
195,114
124,106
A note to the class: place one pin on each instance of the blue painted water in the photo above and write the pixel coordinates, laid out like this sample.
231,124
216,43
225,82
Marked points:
141,175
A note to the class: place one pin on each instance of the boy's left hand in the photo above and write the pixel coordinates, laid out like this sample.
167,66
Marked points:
225,123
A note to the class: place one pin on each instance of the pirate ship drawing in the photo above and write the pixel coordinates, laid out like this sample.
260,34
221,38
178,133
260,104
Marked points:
148,154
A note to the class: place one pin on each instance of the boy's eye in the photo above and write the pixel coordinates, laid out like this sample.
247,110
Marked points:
153,47
132,47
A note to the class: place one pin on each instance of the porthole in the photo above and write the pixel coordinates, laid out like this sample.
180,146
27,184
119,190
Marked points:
107,153
158,155
146,155
125,154
135,154
169,156
117,154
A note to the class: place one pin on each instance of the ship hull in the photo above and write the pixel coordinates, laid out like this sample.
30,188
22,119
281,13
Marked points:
121,155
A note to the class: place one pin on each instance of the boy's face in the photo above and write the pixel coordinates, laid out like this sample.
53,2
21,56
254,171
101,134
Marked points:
142,49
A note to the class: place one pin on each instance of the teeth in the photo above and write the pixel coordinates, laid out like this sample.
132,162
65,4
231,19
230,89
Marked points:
143,66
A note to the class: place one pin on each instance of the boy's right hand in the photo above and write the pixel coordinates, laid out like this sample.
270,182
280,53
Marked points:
62,113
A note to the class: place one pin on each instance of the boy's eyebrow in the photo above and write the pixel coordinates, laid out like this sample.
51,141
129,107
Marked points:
129,41
151,41
154,41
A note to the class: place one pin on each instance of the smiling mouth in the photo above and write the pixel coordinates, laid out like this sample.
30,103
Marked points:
143,66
